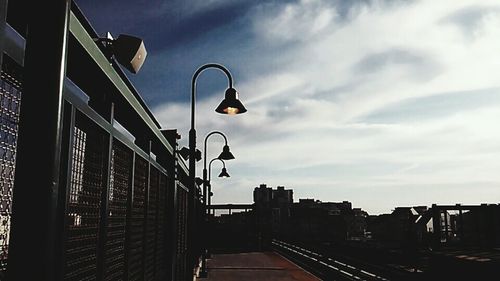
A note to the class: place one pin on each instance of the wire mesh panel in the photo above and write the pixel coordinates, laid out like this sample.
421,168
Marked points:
161,237
88,180
181,245
11,78
137,221
150,257
119,184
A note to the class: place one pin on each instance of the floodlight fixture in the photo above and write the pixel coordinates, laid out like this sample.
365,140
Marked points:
128,50
184,152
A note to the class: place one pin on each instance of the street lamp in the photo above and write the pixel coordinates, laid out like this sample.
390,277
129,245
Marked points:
224,155
223,174
230,105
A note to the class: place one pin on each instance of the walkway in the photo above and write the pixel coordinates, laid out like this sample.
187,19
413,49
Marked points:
265,266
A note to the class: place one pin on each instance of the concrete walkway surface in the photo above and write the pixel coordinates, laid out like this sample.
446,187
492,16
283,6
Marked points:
257,266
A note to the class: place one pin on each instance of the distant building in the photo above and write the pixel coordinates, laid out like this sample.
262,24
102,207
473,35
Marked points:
282,196
402,228
326,221
264,196
358,226
438,226
273,208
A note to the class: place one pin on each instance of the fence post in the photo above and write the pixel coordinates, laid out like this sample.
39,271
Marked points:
436,225
34,234
104,210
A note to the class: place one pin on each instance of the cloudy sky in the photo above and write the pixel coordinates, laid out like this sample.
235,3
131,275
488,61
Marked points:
381,103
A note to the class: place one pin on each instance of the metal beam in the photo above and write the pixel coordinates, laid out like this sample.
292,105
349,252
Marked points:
232,207
14,44
3,24
91,48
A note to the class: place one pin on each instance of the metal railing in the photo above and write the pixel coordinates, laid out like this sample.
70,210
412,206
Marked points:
10,98
121,211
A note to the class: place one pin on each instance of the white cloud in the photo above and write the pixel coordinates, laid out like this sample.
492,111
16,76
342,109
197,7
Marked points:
294,21
187,8
306,116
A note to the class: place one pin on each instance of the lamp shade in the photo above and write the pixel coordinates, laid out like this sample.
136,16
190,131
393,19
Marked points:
226,153
231,104
130,52
224,174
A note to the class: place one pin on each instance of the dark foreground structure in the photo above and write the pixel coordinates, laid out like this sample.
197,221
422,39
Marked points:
91,186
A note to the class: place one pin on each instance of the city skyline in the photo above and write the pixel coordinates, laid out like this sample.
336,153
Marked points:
380,103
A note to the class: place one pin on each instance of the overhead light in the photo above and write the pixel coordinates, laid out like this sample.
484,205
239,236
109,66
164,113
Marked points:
128,50
231,104
224,174
226,153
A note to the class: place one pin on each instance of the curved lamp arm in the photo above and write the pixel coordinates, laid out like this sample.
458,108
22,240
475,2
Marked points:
226,154
192,131
205,145
193,84
210,167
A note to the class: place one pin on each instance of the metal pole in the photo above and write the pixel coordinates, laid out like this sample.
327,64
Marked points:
208,199
33,241
436,225
446,225
192,154
210,185
67,156
104,208
205,163
146,215
461,223
128,225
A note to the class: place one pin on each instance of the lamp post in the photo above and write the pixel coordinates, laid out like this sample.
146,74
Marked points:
224,155
223,174
230,105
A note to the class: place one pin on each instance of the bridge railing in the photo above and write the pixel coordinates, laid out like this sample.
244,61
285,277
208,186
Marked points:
117,208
